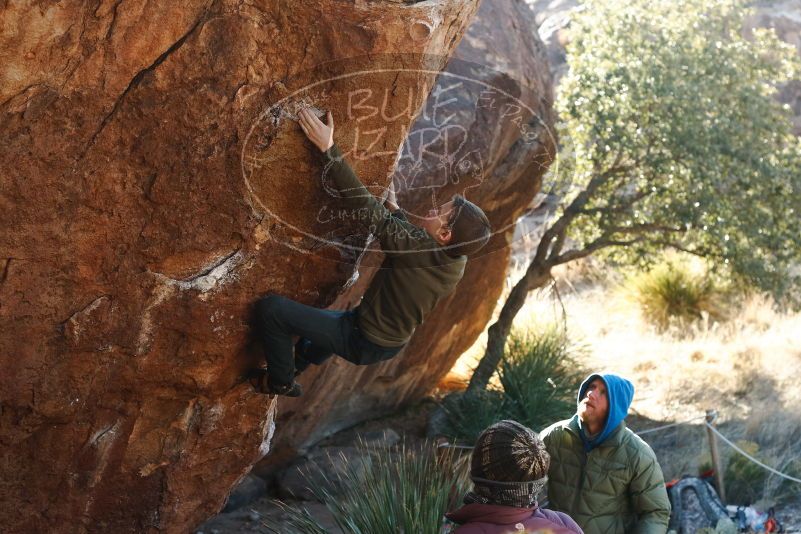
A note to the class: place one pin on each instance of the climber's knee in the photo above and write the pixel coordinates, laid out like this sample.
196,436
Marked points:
267,306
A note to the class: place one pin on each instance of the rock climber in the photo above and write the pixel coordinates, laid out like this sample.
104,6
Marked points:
425,259
602,474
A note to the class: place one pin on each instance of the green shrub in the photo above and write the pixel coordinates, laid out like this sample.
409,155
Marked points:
744,479
785,491
407,489
539,377
671,292
748,483
468,414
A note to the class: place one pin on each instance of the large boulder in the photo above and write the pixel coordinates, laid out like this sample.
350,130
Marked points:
153,183
485,132
553,18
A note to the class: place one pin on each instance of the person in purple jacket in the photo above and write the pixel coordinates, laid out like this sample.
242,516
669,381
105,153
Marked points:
509,468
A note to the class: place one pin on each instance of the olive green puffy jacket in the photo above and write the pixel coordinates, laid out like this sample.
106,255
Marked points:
616,488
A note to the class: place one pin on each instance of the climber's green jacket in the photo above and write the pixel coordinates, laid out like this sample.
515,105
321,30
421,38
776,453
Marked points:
416,273
615,488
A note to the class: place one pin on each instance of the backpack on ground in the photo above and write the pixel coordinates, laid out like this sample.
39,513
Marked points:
695,505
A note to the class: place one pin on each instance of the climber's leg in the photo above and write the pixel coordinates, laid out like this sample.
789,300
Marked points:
279,318
362,351
307,353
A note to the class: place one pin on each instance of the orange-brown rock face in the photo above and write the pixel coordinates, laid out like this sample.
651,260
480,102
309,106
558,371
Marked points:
153,184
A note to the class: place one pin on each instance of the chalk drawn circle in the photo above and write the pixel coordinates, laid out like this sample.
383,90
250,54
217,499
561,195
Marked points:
273,114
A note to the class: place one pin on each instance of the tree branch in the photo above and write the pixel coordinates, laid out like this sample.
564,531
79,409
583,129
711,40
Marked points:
682,248
618,208
643,228
559,243
570,213
602,242
537,275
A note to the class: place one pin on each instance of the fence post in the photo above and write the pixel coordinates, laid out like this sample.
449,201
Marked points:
711,415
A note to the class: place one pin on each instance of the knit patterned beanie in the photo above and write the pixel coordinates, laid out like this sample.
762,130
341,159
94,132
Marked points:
509,466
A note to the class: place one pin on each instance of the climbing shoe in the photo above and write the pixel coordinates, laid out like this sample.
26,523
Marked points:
287,390
259,379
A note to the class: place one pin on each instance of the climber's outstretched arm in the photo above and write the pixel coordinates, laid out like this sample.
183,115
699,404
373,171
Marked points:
394,232
353,192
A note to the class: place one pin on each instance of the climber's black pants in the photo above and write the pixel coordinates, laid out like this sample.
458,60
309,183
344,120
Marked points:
327,333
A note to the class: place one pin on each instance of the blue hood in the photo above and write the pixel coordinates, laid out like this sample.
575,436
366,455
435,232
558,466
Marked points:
620,392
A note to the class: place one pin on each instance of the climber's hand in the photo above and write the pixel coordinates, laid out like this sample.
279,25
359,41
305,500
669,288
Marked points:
391,201
322,135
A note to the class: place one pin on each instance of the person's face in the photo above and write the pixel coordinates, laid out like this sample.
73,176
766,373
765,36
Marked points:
436,222
594,406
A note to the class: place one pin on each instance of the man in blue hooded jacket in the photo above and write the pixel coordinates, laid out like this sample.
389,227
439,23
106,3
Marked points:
602,474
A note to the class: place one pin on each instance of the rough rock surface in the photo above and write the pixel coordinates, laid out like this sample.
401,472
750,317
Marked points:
248,490
553,19
784,16
492,142
322,468
148,194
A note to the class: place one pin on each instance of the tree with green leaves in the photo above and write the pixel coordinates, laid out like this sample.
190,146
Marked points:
671,139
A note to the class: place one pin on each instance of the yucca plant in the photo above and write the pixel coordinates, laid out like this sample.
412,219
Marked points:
407,489
467,414
299,521
540,376
672,293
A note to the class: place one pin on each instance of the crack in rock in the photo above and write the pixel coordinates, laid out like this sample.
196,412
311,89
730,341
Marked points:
101,434
145,336
6,267
139,76
355,276
102,440
218,272
74,320
210,277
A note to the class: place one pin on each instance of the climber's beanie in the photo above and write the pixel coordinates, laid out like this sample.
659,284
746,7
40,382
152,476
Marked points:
509,465
509,452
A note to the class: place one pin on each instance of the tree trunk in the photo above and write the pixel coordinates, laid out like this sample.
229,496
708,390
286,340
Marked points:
537,275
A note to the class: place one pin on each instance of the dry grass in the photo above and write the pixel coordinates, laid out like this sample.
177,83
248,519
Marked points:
733,366
673,294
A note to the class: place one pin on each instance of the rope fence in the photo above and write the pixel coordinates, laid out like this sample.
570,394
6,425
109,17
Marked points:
710,419
760,464
671,425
